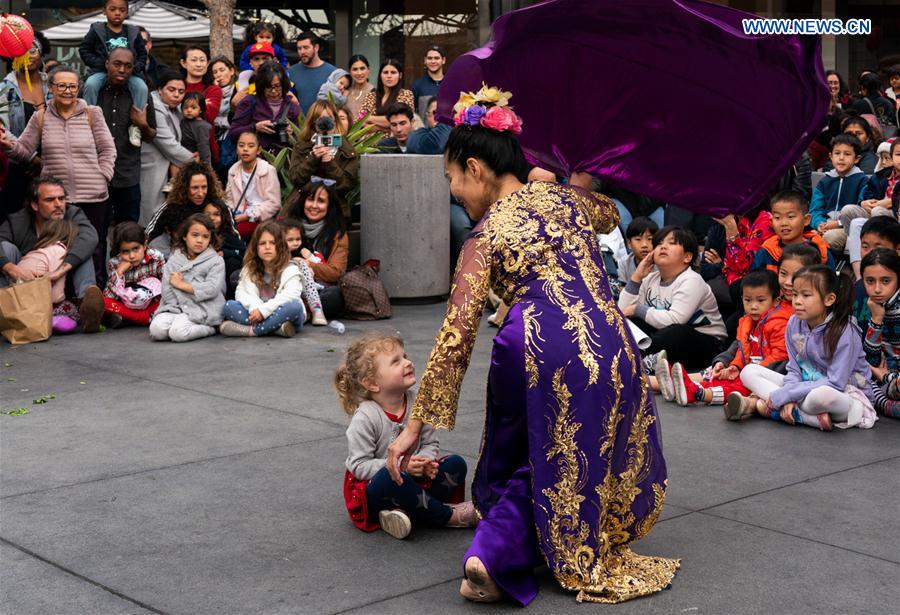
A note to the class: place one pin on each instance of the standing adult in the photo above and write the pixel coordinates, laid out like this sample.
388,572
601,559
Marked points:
19,234
389,90
118,111
225,76
267,111
571,460
76,147
873,101
311,71
166,148
154,69
18,102
198,78
359,86
430,82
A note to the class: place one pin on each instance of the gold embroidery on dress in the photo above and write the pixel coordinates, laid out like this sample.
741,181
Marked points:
532,327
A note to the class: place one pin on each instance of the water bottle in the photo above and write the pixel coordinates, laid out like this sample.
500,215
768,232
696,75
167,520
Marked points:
336,327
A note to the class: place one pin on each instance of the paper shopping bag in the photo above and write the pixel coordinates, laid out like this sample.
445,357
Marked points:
26,311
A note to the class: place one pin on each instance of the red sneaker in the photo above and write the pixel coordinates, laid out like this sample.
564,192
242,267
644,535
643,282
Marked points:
687,391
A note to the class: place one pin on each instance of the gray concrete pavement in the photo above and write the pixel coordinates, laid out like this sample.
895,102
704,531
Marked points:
206,478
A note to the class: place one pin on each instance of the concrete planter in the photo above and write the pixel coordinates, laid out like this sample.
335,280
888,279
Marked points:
405,220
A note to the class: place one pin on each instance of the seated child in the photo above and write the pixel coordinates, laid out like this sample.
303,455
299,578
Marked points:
254,191
193,285
231,246
267,299
841,186
373,383
673,305
877,232
639,237
827,379
195,130
103,37
881,198
46,258
760,340
293,235
790,218
880,274
134,281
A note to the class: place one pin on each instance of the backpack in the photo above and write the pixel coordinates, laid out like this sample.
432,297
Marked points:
889,131
364,295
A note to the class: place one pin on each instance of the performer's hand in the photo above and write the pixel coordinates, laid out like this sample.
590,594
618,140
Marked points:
400,447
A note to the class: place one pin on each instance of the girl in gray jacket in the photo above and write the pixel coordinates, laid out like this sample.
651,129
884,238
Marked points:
374,383
193,285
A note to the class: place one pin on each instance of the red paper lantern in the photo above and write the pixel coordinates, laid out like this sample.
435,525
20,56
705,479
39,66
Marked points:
16,37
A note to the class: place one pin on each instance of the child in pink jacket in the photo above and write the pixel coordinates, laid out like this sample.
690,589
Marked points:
253,192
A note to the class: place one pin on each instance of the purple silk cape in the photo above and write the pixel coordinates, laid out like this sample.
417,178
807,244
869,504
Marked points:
666,98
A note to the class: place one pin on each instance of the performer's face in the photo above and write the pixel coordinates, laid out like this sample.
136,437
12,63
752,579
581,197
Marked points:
468,186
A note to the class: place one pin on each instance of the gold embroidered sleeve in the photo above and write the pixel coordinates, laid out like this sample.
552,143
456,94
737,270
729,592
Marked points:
600,210
438,395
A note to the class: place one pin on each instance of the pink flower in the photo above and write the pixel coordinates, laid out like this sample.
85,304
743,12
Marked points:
502,119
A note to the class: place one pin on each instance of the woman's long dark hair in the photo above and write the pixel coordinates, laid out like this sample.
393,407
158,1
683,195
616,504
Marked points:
499,151
379,89
826,281
873,140
334,226
843,90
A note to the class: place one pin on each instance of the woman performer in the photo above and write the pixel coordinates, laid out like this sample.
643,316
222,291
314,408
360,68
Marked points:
571,468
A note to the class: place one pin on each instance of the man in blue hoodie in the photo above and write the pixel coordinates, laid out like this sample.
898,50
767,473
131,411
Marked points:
841,186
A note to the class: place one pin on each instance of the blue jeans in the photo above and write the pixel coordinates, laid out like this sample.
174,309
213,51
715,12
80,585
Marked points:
625,217
422,505
137,87
292,311
81,277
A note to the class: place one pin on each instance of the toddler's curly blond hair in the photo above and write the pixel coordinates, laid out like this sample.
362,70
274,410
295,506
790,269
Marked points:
359,365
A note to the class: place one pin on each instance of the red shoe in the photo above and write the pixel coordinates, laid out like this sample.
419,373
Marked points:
824,421
687,391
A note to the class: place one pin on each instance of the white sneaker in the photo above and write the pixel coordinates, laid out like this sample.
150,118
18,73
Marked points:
663,375
395,522
134,136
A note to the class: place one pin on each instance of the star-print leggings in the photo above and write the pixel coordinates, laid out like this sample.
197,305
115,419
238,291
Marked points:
423,505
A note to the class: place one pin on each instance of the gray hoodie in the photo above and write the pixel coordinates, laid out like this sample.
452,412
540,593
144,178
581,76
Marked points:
206,274
370,433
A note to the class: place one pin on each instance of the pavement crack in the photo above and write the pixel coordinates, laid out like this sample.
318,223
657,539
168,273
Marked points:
82,577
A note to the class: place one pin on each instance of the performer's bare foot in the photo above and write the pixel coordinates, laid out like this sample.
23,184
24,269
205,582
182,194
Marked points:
478,586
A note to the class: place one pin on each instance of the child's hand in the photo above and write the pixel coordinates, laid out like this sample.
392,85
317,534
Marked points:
122,267
868,204
176,280
787,413
712,257
431,469
629,310
828,225
241,218
255,317
878,373
732,372
417,466
877,311
305,253
643,269
717,369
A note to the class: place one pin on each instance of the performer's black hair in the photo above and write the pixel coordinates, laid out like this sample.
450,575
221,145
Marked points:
500,151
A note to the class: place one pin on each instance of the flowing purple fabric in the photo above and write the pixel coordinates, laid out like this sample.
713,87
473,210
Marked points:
666,98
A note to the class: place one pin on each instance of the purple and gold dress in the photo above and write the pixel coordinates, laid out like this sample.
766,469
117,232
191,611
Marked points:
571,469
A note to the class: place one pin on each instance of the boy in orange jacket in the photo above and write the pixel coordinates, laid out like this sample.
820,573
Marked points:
760,340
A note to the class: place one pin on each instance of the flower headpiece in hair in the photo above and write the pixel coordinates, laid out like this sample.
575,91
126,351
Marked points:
489,107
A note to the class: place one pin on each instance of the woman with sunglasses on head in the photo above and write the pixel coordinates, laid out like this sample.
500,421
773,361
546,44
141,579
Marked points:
315,154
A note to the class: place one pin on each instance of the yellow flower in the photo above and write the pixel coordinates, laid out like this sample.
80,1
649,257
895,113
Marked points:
496,96
466,99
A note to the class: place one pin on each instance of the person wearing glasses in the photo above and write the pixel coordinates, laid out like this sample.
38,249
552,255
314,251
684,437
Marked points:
77,148
268,111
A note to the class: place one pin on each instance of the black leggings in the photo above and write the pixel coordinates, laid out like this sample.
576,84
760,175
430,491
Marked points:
332,302
683,344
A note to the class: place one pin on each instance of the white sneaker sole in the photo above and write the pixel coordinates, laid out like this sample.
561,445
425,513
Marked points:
395,523
681,396
664,378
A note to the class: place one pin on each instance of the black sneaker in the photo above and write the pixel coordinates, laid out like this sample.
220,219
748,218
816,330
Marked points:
111,320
